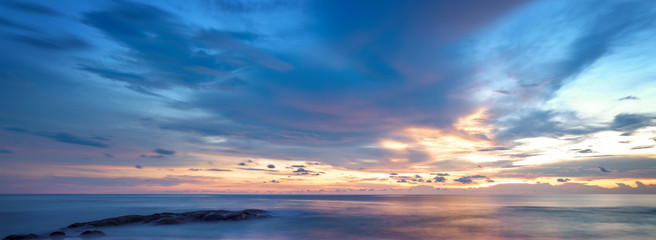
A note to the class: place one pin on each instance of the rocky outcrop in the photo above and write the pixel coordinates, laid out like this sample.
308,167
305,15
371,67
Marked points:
57,235
21,236
174,218
91,234
155,219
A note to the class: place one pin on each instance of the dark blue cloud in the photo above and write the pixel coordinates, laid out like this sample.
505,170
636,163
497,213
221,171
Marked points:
464,180
642,147
537,123
440,179
218,170
258,169
5,151
70,138
630,122
603,169
585,151
173,53
493,149
53,43
164,151
11,24
563,180
468,179
31,7
240,7
628,98
116,75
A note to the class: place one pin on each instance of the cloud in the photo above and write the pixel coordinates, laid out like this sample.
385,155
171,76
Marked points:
563,180
493,149
602,169
630,122
5,151
11,24
303,171
70,138
585,151
440,179
642,147
31,7
271,166
138,166
468,179
588,168
539,123
173,53
95,141
239,7
52,43
464,180
258,169
131,78
628,98
218,170
164,151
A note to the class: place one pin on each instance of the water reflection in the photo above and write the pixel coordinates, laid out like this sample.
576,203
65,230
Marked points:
353,217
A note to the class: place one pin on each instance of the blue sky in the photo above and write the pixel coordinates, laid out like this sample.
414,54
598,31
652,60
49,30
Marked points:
289,96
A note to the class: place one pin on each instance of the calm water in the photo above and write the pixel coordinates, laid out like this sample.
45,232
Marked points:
350,217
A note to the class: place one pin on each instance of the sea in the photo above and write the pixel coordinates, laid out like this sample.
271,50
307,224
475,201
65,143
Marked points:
347,216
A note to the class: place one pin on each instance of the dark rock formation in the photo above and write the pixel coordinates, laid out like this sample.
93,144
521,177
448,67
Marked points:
155,219
91,234
57,235
175,218
21,236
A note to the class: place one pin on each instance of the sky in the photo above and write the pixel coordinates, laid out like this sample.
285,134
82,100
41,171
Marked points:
328,96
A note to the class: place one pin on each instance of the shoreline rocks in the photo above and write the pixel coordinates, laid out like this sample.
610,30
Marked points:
21,236
91,234
57,235
154,219
175,218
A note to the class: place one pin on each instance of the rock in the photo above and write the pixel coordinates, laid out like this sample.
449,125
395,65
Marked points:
57,235
155,219
91,234
21,236
175,218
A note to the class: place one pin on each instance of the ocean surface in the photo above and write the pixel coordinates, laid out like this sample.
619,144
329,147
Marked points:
349,217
